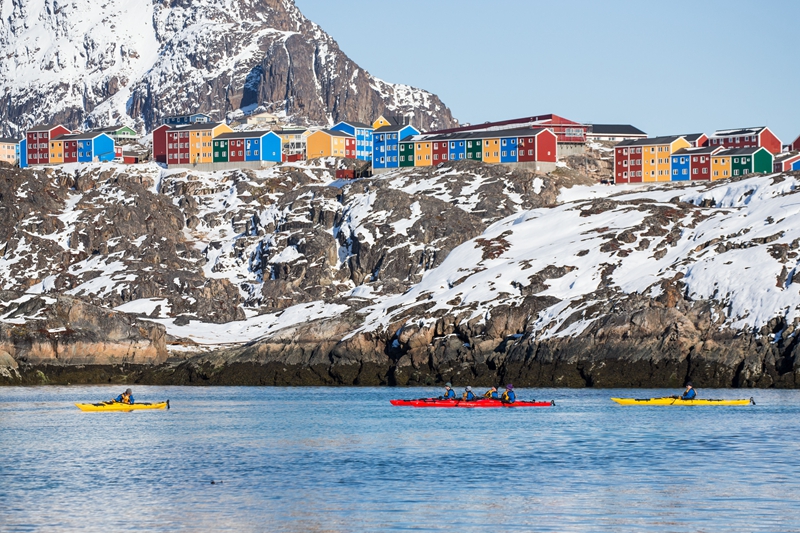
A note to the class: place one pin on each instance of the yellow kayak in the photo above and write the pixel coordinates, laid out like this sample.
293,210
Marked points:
678,401
118,406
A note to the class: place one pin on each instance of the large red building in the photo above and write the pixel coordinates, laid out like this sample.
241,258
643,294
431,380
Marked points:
38,142
567,131
746,138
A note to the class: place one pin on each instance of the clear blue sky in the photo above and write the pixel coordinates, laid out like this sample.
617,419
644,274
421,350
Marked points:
665,67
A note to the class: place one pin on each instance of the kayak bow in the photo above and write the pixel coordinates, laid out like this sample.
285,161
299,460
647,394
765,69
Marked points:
119,406
678,401
479,403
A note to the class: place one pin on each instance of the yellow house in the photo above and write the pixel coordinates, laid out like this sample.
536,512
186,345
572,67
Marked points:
56,151
657,155
720,167
201,135
389,120
423,153
327,143
9,149
491,150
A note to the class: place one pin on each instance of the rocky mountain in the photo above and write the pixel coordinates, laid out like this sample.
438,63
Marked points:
463,272
94,64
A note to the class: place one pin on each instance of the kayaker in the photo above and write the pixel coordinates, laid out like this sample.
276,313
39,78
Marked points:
468,395
125,397
689,393
449,393
508,395
492,393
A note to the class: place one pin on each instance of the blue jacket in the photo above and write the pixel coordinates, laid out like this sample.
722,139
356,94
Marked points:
689,395
509,396
469,396
449,394
491,394
119,399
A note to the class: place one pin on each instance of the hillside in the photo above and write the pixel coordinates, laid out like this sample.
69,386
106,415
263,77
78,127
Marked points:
465,272
99,64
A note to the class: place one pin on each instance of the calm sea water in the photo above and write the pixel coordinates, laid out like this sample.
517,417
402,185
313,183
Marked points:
344,459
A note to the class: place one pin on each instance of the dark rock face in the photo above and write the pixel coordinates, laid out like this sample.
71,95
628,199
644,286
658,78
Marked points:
184,57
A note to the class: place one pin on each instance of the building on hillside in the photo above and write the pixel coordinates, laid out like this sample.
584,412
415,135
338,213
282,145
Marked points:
247,146
386,145
735,162
120,134
329,143
9,150
693,163
746,138
784,161
646,160
570,135
795,145
363,136
263,119
89,147
696,139
23,153
190,144
182,120
614,132
387,119
38,143
294,142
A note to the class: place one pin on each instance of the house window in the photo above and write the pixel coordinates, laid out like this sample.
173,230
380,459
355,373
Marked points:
694,171
513,153
705,171
675,172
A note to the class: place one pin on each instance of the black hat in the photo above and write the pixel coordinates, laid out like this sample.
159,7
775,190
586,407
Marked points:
689,384
128,391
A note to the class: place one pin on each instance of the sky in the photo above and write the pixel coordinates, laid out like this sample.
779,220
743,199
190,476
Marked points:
665,67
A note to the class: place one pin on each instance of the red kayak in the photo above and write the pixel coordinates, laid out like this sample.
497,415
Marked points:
481,402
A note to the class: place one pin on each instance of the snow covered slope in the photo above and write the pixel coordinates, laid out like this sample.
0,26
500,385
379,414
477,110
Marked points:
91,64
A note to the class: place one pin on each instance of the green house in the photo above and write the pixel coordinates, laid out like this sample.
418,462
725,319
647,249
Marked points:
406,153
750,160
120,133
221,151
475,149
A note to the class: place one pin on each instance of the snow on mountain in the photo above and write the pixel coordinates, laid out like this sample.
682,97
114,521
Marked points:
133,62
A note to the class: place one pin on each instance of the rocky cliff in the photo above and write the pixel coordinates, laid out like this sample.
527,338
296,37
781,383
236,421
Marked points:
133,62
464,272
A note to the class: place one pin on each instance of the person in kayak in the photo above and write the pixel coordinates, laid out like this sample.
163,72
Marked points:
508,395
125,397
689,393
449,393
492,393
468,395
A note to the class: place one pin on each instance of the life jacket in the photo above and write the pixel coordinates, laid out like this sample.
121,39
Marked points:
490,394
449,394
469,396
125,398
691,394
509,396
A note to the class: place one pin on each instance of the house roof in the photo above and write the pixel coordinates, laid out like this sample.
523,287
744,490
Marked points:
79,136
693,150
549,119
739,131
614,129
197,126
9,140
669,139
242,135
47,127
742,151
778,158
395,120
692,137
113,128
491,134
291,132
337,133
355,124
385,129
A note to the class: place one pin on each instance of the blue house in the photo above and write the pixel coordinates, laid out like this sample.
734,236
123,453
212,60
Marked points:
386,144
363,135
796,165
508,148
457,149
94,146
258,146
23,153
681,163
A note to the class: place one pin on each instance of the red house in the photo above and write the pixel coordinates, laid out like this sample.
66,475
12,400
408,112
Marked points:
746,138
795,146
440,151
567,131
38,142
696,139
160,144
627,163
785,161
538,145
70,149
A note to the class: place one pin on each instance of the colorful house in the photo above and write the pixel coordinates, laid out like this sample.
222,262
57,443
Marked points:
329,143
406,151
387,119
386,145
735,162
181,120
363,136
646,160
38,143
186,145
294,142
92,146
795,146
614,132
247,146
784,162
746,138
9,150
120,133
23,153
693,163
696,139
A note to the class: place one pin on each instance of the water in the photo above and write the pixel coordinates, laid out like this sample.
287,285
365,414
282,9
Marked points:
344,459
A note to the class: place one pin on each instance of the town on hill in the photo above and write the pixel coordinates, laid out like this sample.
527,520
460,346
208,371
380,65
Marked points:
536,143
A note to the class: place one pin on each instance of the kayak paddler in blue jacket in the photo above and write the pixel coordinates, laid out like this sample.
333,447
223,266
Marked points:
492,393
449,393
689,393
468,395
125,397
508,395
